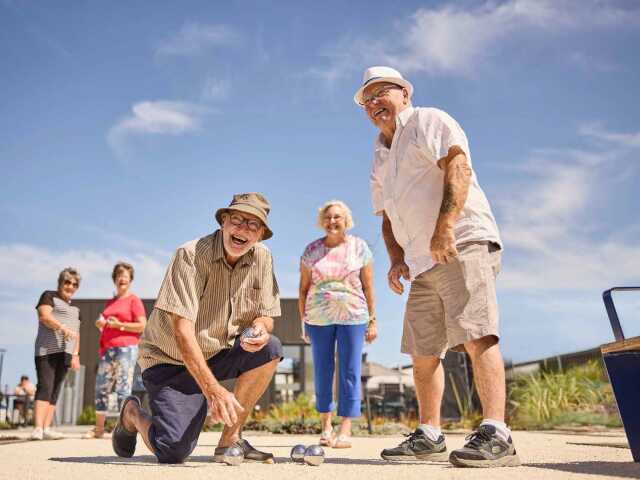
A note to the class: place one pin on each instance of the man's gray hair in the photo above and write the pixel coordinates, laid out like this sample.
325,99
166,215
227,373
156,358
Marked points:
68,274
348,218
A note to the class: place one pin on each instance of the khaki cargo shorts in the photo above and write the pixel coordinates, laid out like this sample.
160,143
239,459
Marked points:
453,303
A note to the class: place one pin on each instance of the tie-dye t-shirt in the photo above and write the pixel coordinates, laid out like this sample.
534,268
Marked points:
335,295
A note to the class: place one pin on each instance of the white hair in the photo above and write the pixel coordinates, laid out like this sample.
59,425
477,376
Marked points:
348,218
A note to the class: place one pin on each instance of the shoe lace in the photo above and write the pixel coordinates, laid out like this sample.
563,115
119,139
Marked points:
477,438
411,438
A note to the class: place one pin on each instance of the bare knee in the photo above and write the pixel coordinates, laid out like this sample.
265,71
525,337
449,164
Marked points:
477,347
424,367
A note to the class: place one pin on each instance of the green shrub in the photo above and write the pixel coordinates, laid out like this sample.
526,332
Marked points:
301,409
296,417
87,417
578,396
5,426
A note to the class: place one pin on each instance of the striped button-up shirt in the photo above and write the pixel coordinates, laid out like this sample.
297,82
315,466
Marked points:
221,300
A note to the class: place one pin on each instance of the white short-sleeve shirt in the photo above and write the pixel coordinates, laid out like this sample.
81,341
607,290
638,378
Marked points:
407,184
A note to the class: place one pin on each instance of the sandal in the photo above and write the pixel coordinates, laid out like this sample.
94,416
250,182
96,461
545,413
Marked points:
342,441
326,438
93,433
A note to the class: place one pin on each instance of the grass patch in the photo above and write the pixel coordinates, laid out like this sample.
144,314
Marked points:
578,396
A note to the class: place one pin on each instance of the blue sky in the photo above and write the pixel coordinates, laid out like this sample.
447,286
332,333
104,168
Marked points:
124,126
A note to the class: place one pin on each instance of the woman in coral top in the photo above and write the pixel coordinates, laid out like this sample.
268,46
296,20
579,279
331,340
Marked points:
121,323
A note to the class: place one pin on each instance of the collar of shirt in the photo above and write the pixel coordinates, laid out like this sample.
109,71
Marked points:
218,250
404,116
401,121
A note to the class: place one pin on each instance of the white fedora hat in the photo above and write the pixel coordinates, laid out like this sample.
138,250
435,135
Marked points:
381,74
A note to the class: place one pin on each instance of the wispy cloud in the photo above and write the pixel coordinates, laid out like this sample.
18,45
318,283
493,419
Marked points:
195,38
155,118
39,268
553,227
598,132
454,40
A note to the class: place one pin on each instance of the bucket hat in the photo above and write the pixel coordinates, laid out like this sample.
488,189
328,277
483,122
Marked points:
254,203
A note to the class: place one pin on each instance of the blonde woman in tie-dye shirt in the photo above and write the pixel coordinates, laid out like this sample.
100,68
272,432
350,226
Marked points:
336,303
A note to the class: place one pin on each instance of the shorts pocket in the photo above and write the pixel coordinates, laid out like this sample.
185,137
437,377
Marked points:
474,272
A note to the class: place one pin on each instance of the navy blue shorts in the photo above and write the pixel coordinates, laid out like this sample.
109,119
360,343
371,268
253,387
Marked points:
178,407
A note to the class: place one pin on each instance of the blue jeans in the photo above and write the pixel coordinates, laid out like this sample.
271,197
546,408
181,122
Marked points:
350,340
115,373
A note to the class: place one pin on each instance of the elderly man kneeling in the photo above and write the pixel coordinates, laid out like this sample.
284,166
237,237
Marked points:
214,288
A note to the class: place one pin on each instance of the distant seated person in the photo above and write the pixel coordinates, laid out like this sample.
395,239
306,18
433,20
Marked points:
25,392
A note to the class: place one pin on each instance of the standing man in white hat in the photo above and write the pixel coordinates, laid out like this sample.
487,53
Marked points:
441,236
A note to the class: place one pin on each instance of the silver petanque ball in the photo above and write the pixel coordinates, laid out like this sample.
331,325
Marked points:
249,333
233,456
297,453
314,455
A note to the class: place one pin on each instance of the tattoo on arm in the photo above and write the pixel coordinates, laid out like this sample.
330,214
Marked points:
448,203
457,178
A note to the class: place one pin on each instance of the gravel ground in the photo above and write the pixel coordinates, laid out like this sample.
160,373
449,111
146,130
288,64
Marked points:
545,455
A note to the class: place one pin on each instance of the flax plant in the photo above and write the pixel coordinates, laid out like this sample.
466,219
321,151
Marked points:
580,394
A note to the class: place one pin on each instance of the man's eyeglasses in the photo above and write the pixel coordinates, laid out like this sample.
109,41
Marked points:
72,283
381,92
252,225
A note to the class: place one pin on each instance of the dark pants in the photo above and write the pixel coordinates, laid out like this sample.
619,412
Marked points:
51,371
178,407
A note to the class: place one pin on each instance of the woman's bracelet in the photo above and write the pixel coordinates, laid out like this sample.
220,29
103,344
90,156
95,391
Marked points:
372,319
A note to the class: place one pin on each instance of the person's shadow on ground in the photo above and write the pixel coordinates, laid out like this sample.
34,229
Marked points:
139,460
609,469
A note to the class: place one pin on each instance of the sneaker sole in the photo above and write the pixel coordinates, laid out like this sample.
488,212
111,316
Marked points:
398,458
424,457
506,461
220,459
434,457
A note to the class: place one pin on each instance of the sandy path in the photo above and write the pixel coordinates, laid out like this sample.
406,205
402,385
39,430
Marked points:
544,455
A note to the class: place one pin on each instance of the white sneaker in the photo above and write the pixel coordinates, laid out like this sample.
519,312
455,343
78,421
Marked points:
37,434
49,434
